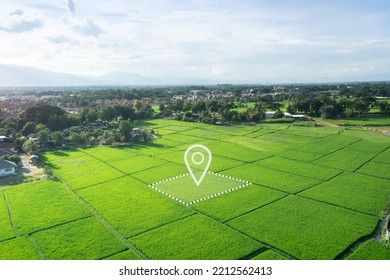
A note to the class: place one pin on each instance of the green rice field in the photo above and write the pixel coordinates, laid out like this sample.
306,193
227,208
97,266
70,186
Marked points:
273,192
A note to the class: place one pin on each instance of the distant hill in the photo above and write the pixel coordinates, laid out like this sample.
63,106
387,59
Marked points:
20,76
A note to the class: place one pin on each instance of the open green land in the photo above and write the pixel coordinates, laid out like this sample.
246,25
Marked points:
315,193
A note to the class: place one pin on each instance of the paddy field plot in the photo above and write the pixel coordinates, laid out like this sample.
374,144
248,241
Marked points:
208,240
84,239
316,193
310,230
41,205
183,189
131,207
21,248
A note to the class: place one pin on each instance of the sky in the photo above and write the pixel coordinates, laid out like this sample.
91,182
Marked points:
258,41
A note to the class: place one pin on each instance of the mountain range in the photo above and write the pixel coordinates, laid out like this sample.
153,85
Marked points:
22,76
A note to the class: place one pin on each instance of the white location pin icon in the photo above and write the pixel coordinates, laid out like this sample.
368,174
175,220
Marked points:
195,157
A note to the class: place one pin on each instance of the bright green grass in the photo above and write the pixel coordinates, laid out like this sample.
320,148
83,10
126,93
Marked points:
234,151
235,203
161,172
205,133
218,163
355,191
81,171
371,250
234,130
272,178
286,138
185,189
131,207
369,119
383,157
260,144
195,238
260,132
6,230
185,139
327,144
21,248
377,169
125,255
108,154
369,146
298,155
299,168
151,149
346,159
135,164
85,239
315,132
269,255
304,228
43,204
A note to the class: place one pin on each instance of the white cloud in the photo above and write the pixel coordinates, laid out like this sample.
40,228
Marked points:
242,40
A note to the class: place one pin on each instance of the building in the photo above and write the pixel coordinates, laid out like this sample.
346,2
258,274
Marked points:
270,114
33,159
7,168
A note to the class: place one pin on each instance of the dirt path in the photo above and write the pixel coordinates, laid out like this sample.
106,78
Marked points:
325,123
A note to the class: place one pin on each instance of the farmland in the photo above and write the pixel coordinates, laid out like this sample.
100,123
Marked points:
274,191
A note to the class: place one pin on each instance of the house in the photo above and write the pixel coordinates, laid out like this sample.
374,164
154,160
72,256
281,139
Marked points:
5,139
270,114
7,168
296,117
136,132
33,159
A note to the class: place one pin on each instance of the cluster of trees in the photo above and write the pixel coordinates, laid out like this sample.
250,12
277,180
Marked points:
328,106
212,112
49,126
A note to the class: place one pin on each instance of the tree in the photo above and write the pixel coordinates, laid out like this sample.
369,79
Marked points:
43,136
29,128
125,128
328,111
361,107
58,138
30,147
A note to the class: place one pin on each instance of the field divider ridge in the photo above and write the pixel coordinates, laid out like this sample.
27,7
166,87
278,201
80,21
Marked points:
10,215
281,252
39,249
100,218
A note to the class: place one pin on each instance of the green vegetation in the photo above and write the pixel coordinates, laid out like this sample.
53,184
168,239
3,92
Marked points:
267,177
269,255
21,248
80,240
5,223
317,192
307,229
40,205
355,191
371,250
131,207
236,203
207,239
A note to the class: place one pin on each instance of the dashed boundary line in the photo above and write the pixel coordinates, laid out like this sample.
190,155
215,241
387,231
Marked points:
187,203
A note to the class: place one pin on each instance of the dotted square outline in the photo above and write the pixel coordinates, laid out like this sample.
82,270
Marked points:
153,186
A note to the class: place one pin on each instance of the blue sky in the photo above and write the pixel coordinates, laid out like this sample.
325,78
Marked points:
264,41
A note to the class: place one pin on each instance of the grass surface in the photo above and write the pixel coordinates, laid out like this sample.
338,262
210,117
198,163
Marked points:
207,239
131,207
355,191
41,205
85,239
21,248
307,229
